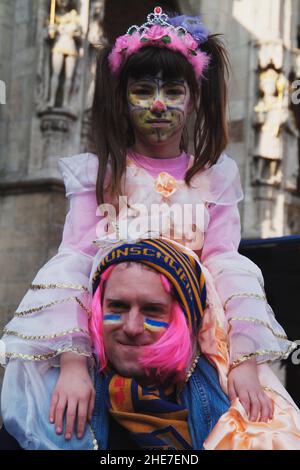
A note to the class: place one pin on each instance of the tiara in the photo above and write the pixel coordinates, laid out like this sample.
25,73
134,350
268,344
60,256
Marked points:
182,34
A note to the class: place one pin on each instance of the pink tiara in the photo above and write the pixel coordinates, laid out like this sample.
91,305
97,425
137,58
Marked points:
159,31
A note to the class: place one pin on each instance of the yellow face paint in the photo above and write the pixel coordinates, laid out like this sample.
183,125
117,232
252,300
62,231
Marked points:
155,325
158,109
112,319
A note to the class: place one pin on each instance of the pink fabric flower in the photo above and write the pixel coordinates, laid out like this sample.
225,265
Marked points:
165,184
189,41
155,33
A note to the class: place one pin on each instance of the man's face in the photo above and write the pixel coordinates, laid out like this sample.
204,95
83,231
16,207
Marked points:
135,296
158,109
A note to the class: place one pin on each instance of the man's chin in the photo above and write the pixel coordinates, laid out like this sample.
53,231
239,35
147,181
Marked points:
130,371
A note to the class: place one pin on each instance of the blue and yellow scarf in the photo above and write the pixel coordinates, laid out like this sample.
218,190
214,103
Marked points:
151,415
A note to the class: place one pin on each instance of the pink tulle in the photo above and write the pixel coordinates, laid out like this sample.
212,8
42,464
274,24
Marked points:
167,357
127,45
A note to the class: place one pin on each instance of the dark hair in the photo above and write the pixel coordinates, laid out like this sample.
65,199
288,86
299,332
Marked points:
112,133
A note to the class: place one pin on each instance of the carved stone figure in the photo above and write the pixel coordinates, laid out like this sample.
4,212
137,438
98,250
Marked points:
66,32
270,53
271,113
96,39
95,33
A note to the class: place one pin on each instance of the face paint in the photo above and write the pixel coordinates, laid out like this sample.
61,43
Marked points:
158,109
155,325
112,319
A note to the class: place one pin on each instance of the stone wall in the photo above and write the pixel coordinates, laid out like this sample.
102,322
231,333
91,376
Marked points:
6,38
30,232
18,30
267,210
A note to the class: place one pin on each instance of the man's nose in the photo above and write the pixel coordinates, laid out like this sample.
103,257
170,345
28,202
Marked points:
158,107
133,322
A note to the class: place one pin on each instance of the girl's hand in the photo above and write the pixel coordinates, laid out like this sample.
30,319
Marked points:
243,383
74,394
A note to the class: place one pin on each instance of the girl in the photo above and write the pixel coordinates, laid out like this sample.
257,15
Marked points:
148,85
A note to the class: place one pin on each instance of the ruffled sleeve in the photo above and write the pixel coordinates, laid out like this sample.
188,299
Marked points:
53,315
220,184
253,329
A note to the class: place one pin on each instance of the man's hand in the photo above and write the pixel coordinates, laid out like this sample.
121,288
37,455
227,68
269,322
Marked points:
243,383
74,394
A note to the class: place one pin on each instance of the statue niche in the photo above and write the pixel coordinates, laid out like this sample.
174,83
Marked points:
63,36
271,112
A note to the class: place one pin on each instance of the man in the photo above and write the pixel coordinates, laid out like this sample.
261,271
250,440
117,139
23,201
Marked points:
153,388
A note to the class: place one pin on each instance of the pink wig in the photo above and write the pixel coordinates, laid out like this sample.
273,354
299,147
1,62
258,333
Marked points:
167,357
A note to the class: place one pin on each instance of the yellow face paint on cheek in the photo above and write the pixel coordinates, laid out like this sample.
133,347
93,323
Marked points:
155,325
140,118
134,100
112,319
140,121
138,100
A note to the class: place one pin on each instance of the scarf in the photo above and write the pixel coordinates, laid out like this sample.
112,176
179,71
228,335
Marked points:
150,414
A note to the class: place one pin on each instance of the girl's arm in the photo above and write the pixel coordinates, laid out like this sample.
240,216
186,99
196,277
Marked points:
254,330
254,334
73,393
52,319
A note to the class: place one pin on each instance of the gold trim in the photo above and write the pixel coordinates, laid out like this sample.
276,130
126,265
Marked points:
94,440
278,354
244,294
44,357
252,273
43,337
55,302
88,310
193,366
58,286
259,322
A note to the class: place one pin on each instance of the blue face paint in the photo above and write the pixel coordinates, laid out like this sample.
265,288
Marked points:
112,319
155,325
149,324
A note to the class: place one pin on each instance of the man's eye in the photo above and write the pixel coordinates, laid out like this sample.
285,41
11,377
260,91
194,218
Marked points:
117,306
152,310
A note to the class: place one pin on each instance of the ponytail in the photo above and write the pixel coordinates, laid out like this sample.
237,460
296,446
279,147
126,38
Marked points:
211,134
108,135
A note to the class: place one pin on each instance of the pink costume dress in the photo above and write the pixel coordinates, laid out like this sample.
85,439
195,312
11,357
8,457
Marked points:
238,322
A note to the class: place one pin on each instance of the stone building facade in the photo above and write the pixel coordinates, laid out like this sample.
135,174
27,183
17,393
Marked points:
47,114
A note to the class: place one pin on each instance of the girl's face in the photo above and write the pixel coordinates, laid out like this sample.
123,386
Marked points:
158,108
